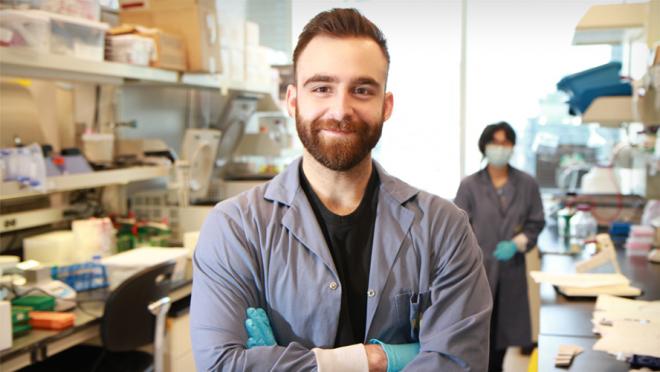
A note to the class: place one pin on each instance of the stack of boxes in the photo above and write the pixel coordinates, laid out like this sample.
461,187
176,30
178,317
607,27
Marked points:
640,240
232,41
194,20
146,46
20,320
243,58
257,68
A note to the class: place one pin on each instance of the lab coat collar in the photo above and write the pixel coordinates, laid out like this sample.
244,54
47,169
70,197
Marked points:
286,185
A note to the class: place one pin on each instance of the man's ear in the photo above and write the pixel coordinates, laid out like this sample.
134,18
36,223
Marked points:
291,100
388,105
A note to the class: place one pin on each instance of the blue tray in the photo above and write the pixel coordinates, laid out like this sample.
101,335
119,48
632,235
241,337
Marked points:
578,83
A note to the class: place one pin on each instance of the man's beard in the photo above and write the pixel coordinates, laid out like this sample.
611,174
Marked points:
338,154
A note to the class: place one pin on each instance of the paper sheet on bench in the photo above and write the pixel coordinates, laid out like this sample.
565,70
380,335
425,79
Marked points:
632,337
580,280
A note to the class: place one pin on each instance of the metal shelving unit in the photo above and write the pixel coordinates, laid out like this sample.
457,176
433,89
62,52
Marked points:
28,63
14,190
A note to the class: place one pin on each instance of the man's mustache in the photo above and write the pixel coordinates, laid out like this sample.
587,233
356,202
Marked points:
344,125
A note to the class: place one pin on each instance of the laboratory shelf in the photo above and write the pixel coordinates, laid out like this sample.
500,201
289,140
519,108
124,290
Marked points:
13,190
215,81
30,64
609,111
613,111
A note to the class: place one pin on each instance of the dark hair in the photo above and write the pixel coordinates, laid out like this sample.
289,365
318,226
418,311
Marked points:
489,132
341,23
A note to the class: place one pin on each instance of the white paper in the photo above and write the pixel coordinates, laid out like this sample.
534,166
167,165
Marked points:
616,290
630,337
580,280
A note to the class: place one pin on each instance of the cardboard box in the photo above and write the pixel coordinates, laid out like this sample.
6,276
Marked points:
251,34
233,63
170,48
232,33
197,24
129,5
171,51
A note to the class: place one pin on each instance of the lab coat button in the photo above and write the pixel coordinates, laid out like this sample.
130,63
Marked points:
371,293
333,285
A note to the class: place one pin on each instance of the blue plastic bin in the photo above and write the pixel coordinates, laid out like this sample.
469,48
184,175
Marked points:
605,75
578,104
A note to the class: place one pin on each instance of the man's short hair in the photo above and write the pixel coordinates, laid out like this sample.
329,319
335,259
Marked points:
340,23
489,133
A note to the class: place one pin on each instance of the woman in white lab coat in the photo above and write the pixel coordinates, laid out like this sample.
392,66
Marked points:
506,214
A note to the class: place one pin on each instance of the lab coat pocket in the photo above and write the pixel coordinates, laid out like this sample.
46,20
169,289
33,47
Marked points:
409,308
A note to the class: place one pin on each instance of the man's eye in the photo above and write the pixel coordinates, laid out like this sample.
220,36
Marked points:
362,91
321,89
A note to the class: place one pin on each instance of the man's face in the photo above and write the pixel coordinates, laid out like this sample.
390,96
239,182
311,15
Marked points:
339,100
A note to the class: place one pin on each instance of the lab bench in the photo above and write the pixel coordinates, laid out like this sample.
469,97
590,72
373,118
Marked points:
566,320
39,344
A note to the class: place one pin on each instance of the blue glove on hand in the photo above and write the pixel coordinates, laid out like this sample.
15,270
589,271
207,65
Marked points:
258,328
505,250
398,356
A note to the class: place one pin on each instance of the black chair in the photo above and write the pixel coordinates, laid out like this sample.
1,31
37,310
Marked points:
134,316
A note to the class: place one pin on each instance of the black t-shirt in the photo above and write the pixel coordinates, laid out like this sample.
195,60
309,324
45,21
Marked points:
350,239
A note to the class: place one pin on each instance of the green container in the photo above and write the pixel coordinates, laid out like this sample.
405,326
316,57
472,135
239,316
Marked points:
38,303
21,329
20,314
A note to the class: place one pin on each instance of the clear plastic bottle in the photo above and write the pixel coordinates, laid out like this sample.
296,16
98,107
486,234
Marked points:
37,167
583,225
564,216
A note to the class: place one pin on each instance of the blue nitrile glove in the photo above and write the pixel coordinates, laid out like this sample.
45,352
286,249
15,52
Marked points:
505,250
258,328
398,356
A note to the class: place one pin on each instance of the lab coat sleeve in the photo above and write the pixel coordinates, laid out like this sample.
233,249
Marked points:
226,281
462,199
454,329
535,221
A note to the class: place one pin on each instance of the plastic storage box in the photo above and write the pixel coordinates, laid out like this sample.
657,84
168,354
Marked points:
51,320
88,9
77,37
37,303
49,32
121,266
55,247
25,29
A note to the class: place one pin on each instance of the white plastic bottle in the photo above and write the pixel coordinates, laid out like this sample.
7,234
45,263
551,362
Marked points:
583,225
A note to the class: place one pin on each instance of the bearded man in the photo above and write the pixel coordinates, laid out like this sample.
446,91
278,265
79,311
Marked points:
351,269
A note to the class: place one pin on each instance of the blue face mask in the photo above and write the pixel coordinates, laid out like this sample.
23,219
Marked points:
497,155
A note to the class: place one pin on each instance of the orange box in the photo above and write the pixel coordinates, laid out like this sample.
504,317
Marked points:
51,320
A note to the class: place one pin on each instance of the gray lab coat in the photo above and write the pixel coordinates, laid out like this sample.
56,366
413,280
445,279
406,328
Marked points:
523,212
264,248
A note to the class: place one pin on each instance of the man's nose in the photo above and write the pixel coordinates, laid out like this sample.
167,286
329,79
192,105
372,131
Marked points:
341,106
